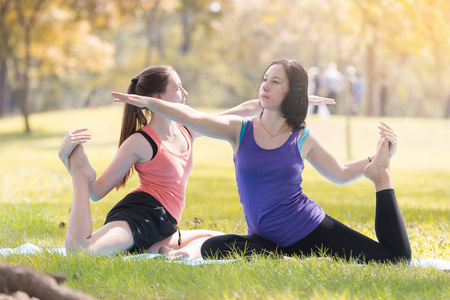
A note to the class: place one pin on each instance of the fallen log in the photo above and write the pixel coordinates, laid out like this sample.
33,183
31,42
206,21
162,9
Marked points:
15,281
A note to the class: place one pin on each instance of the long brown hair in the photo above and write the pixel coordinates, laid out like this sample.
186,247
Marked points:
149,82
294,107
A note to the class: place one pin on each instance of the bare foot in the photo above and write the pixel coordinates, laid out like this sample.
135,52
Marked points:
79,163
173,254
378,170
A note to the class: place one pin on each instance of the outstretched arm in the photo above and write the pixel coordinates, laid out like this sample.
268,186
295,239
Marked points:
252,107
134,149
245,109
220,127
330,167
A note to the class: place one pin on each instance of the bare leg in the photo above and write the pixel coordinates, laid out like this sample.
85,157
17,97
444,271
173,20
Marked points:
113,237
190,251
192,240
80,224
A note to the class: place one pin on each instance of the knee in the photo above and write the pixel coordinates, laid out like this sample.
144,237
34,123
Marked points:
399,258
406,257
75,245
212,247
221,246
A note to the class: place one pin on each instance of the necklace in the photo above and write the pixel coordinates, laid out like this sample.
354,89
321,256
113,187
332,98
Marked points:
273,135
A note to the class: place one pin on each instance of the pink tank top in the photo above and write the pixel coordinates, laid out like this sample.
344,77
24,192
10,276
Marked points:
165,176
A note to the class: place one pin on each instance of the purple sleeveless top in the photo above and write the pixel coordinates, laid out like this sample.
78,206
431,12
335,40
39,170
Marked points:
268,183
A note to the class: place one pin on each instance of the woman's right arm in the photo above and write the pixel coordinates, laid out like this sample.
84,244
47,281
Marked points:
133,150
220,127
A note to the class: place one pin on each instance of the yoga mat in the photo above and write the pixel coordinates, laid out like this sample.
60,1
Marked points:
435,263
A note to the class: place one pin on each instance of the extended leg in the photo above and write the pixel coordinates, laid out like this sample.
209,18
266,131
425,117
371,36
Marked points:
390,226
113,237
80,224
334,238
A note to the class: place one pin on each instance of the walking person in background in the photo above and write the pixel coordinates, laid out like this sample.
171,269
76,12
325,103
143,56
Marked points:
333,81
269,153
357,89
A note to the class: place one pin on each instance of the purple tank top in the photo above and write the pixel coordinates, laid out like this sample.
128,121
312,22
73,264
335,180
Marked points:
269,188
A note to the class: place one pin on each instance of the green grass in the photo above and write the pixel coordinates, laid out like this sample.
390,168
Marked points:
36,192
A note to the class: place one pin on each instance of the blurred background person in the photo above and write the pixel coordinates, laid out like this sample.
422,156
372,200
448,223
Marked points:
357,89
333,81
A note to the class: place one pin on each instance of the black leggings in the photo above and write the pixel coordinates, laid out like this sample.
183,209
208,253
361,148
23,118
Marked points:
332,238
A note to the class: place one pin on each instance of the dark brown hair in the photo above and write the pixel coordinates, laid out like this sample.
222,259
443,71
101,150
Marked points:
294,107
149,82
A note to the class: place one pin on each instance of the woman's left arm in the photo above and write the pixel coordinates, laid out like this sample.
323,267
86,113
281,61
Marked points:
330,167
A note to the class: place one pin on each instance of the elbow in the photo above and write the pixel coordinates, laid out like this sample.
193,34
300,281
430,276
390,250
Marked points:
97,190
344,177
341,180
95,197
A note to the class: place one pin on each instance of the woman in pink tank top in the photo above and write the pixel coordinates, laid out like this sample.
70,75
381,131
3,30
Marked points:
160,150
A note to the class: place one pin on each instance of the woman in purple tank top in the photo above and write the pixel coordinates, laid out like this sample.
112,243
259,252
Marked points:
269,152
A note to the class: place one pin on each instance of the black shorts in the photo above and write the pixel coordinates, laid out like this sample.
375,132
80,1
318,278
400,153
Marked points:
148,219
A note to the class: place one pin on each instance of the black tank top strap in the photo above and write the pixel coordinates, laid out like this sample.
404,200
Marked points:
187,130
151,141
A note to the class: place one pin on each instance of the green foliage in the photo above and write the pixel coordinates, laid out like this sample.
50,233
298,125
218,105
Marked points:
35,198
77,51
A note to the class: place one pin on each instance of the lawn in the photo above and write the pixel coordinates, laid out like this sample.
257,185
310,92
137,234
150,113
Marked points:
36,192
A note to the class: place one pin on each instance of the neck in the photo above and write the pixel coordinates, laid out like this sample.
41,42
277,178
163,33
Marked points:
162,123
273,123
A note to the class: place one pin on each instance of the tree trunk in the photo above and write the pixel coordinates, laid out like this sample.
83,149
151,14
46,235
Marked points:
22,98
185,23
4,107
370,67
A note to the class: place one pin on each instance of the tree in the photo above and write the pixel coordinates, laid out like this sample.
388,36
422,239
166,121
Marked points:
40,38
19,19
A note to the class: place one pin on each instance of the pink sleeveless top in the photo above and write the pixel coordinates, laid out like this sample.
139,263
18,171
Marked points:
165,176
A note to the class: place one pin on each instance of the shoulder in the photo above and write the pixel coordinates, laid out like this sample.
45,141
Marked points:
309,140
303,133
147,129
135,140
138,145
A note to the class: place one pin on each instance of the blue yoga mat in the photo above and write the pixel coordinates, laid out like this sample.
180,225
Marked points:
435,263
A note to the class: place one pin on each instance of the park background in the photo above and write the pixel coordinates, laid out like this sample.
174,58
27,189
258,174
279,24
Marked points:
59,60
63,54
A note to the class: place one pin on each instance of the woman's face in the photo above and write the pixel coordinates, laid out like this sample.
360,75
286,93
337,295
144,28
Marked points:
274,87
174,91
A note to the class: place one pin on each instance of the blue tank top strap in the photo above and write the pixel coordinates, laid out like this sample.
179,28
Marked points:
243,127
302,139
